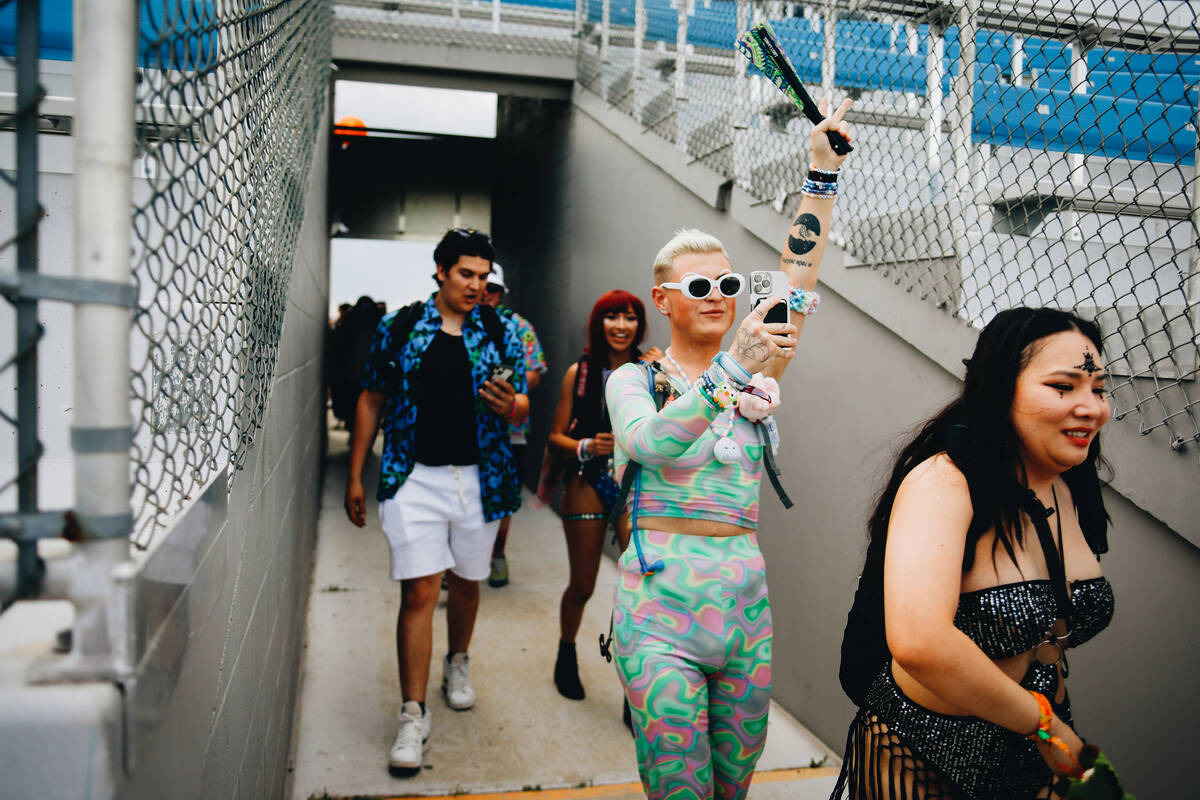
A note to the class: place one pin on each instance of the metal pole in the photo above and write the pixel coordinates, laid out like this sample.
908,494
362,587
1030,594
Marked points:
681,31
937,113
639,41
29,566
1075,161
741,111
495,16
454,13
604,9
829,53
105,70
960,132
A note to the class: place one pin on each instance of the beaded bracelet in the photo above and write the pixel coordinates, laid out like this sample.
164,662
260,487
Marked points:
735,371
720,395
1042,734
813,188
581,450
802,301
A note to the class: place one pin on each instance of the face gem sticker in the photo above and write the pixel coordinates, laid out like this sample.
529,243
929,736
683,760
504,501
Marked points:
1089,364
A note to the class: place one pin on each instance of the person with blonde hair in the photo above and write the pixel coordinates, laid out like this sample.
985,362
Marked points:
692,624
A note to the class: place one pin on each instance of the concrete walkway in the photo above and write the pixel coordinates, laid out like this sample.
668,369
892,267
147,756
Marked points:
522,740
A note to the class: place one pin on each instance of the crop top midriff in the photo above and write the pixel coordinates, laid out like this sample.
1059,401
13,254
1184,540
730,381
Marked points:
680,475
1013,618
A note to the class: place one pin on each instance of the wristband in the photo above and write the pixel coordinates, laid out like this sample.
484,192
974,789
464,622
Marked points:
822,176
512,412
735,371
581,450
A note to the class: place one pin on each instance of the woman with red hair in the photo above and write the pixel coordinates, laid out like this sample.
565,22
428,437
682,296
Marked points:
582,433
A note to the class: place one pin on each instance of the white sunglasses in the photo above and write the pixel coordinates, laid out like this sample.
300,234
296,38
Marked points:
699,287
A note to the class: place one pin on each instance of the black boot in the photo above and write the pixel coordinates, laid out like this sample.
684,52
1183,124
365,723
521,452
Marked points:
566,672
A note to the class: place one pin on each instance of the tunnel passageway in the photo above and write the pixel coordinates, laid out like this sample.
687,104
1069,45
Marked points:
522,739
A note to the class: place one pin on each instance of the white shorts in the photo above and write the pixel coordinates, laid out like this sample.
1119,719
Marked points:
435,522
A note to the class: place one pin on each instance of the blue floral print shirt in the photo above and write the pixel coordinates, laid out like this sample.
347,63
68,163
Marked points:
393,369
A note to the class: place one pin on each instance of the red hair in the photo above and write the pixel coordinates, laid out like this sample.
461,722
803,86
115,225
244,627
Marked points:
615,301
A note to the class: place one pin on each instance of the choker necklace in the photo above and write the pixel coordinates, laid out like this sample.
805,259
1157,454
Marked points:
725,449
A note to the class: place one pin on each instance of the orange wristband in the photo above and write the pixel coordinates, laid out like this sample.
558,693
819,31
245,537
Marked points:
1042,734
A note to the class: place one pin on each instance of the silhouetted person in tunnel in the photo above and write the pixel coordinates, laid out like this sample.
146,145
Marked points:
351,342
444,378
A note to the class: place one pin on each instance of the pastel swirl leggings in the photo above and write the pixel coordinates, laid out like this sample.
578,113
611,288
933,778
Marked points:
693,646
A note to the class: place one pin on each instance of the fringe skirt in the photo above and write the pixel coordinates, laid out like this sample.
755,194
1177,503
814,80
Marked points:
899,750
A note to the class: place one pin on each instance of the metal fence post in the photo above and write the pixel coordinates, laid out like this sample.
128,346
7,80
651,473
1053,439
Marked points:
829,51
964,153
605,8
29,565
105,71
936,115
639,41
681,34
495,16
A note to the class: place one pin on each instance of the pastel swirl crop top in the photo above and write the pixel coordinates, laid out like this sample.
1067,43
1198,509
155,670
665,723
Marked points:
680,475
1013,618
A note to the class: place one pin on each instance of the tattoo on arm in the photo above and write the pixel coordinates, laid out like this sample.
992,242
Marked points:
750,346
803,235
799,262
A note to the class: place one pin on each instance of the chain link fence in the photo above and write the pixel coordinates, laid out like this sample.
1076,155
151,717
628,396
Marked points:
229,99
1007,153
533,27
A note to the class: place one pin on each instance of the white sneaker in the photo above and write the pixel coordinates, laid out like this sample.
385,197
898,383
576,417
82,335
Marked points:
456,682
408,750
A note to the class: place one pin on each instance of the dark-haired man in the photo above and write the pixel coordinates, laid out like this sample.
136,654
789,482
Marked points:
448,474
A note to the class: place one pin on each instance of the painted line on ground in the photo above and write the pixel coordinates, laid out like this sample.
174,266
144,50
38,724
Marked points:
613,789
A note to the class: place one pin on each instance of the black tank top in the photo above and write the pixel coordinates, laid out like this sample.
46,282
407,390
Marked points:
446,408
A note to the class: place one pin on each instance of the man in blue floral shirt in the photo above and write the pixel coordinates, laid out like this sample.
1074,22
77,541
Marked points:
445,379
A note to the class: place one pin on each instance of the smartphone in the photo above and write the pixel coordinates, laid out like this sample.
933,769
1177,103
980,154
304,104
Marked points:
771,283
502,372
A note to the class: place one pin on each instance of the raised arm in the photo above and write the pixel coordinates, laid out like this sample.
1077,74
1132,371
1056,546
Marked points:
809,233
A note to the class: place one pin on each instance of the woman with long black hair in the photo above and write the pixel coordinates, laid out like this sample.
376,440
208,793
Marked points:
983,565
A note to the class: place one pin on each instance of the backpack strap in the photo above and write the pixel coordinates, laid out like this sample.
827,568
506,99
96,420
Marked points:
495,328
406,320
772,469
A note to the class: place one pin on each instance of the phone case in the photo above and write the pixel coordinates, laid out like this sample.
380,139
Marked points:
768,283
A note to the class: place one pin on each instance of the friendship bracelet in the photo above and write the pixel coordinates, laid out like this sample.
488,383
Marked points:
512,412
813,188
822,176
1042,734
735,371
581,450
802,301
830,174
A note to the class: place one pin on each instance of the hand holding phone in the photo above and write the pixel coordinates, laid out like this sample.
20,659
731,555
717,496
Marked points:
771,283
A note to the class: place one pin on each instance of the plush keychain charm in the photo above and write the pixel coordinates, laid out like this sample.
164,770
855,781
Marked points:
753,407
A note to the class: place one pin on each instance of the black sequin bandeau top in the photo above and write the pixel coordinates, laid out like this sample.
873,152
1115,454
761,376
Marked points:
1013,618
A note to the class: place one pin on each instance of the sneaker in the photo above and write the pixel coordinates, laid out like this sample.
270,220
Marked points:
499,576
456,682
407,751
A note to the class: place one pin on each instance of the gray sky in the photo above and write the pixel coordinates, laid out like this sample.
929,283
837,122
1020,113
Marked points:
417,108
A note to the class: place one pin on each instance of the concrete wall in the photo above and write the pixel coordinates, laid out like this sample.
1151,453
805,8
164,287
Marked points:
216,606
872,365
233,637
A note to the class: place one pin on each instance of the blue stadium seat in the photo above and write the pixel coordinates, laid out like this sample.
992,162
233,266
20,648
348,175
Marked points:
180,50
1020,116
